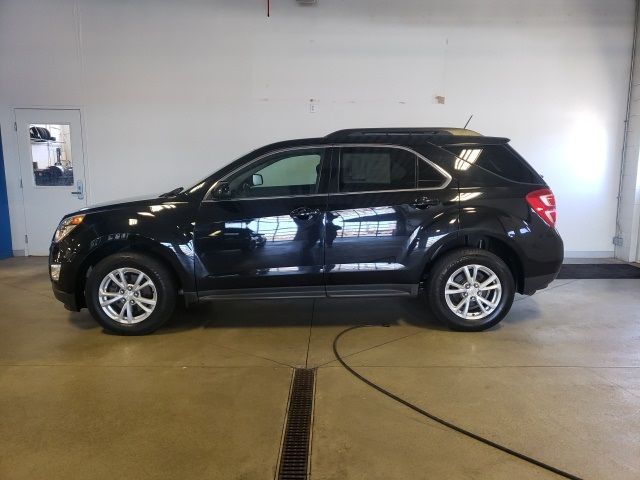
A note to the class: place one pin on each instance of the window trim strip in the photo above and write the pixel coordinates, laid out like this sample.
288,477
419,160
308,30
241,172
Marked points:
447,177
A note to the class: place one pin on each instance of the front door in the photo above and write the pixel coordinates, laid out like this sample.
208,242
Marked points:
52,171
267,229
383,207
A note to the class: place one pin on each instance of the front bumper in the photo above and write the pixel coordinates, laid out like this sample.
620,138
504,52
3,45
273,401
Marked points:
63,272
68,299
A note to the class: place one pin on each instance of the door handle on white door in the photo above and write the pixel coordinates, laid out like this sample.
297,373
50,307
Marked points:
79,191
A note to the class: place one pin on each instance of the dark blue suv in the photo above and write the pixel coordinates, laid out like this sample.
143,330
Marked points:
360,212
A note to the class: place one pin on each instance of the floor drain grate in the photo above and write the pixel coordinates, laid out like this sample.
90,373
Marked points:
294,456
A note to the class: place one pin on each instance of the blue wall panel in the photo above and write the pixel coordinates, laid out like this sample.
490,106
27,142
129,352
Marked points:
5,226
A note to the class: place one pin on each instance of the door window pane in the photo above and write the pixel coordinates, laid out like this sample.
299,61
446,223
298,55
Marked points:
284,174
376,168
428,176
51,155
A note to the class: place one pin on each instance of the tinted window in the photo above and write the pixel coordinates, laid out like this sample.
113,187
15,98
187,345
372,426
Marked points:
376,168
498,159
282,174
428,176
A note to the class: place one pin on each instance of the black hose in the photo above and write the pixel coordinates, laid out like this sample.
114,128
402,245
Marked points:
441,421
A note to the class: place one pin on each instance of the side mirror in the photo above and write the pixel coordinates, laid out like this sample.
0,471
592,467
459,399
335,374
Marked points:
222,191
256,179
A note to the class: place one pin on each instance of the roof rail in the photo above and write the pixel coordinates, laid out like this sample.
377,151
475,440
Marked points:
403,131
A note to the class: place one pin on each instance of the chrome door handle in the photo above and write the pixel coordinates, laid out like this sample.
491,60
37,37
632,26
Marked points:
79,191
425,202
304,213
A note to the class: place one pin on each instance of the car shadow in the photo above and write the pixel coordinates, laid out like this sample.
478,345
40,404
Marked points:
292,313
82,320
302,313
524,309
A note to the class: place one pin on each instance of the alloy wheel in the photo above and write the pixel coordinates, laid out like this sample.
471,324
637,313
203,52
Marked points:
127,295
473,292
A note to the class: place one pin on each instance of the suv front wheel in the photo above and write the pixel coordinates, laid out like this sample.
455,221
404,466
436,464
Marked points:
470,289
130,293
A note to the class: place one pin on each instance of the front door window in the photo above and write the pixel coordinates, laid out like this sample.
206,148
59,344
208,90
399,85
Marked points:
282,174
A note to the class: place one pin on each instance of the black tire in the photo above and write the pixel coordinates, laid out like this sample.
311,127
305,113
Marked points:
446,266
161,277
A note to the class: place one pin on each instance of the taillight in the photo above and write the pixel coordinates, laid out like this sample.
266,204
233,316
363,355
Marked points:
544,204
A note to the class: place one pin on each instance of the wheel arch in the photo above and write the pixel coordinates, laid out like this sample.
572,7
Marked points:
482,241
137,244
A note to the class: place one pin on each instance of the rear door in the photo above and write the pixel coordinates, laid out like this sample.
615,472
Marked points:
387,206
268,230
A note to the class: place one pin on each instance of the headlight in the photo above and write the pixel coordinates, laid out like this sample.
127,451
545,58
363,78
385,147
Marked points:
66,226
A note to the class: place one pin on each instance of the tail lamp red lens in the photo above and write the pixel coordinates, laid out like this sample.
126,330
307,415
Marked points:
544,204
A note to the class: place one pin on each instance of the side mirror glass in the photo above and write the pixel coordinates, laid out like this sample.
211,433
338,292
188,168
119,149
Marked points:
222,191
256,179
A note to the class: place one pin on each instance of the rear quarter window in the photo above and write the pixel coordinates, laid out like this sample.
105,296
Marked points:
498,159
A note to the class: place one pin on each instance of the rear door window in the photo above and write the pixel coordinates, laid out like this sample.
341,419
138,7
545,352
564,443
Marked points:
364,169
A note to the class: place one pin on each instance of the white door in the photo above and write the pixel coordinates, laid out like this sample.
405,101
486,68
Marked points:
52,171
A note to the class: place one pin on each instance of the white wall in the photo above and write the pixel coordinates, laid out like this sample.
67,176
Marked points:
170,91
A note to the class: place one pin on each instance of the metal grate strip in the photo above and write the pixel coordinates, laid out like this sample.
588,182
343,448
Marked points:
294,456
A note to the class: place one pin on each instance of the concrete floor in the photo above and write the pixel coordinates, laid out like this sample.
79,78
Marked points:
205,397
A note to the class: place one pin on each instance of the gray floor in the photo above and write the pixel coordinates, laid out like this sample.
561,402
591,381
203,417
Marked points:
205,397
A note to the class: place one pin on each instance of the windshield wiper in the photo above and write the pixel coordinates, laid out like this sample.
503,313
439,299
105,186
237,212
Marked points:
172,193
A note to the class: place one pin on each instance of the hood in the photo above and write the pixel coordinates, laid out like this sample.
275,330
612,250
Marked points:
123,203
115,203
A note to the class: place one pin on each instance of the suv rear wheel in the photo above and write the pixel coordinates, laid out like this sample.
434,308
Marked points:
130,293
470,289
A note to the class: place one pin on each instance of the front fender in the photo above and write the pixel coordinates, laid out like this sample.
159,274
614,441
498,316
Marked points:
164,231
178,255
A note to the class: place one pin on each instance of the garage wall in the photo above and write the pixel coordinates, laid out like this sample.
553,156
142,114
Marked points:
629,210
170,91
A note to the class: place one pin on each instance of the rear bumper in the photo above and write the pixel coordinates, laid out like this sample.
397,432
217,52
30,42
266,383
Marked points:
541,254
532,284
68,299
